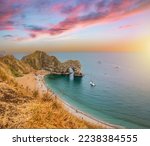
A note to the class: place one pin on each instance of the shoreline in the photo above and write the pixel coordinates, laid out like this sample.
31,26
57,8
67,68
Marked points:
36,82
82,115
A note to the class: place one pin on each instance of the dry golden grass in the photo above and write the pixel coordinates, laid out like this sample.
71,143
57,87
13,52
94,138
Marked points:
19,109
5,74
23,108
51,114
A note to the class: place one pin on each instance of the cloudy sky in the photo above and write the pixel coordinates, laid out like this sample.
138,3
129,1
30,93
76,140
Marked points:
74,25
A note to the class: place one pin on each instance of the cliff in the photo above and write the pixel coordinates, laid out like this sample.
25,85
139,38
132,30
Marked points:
40,60
74,64
11,67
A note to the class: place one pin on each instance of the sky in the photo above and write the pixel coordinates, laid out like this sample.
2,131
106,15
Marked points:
74,25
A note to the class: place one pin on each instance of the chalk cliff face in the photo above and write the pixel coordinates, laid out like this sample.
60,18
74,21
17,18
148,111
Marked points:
40,60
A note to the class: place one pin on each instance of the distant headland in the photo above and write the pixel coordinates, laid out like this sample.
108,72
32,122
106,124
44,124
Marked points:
41,61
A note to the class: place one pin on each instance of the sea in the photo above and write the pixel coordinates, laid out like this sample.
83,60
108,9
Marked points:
122,92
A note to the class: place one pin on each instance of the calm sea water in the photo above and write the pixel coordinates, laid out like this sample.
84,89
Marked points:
122,92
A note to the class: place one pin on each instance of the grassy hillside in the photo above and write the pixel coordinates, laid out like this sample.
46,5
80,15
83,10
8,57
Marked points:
22,108
16,67
40,60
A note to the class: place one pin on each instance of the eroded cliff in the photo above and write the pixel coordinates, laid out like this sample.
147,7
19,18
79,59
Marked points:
40,60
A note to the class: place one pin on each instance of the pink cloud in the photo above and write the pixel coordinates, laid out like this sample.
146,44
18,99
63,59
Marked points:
79,14
115,12
57,7
7,12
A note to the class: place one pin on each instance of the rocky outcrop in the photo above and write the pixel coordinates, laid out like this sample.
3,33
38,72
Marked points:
40,60
74,65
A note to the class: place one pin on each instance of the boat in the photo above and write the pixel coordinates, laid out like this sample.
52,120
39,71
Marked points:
92,83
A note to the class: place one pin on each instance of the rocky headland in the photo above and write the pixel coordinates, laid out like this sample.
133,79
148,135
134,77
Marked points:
41,61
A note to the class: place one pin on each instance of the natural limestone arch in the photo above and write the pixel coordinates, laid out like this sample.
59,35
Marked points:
74,65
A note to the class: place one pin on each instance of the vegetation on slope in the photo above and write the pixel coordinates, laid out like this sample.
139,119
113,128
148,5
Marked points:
5,72
17,67
23,108
40,60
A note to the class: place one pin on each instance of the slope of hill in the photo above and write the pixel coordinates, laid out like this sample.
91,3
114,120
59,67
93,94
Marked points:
21,108
17,67
5,73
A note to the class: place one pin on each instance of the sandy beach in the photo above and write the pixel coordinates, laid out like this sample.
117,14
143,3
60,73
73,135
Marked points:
35,81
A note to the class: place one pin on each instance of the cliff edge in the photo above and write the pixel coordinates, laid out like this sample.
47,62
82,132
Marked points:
40,60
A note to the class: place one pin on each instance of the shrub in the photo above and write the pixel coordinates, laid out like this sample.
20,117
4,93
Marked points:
35,93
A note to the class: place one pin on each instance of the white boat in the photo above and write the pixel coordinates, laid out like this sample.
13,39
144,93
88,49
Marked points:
92,83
